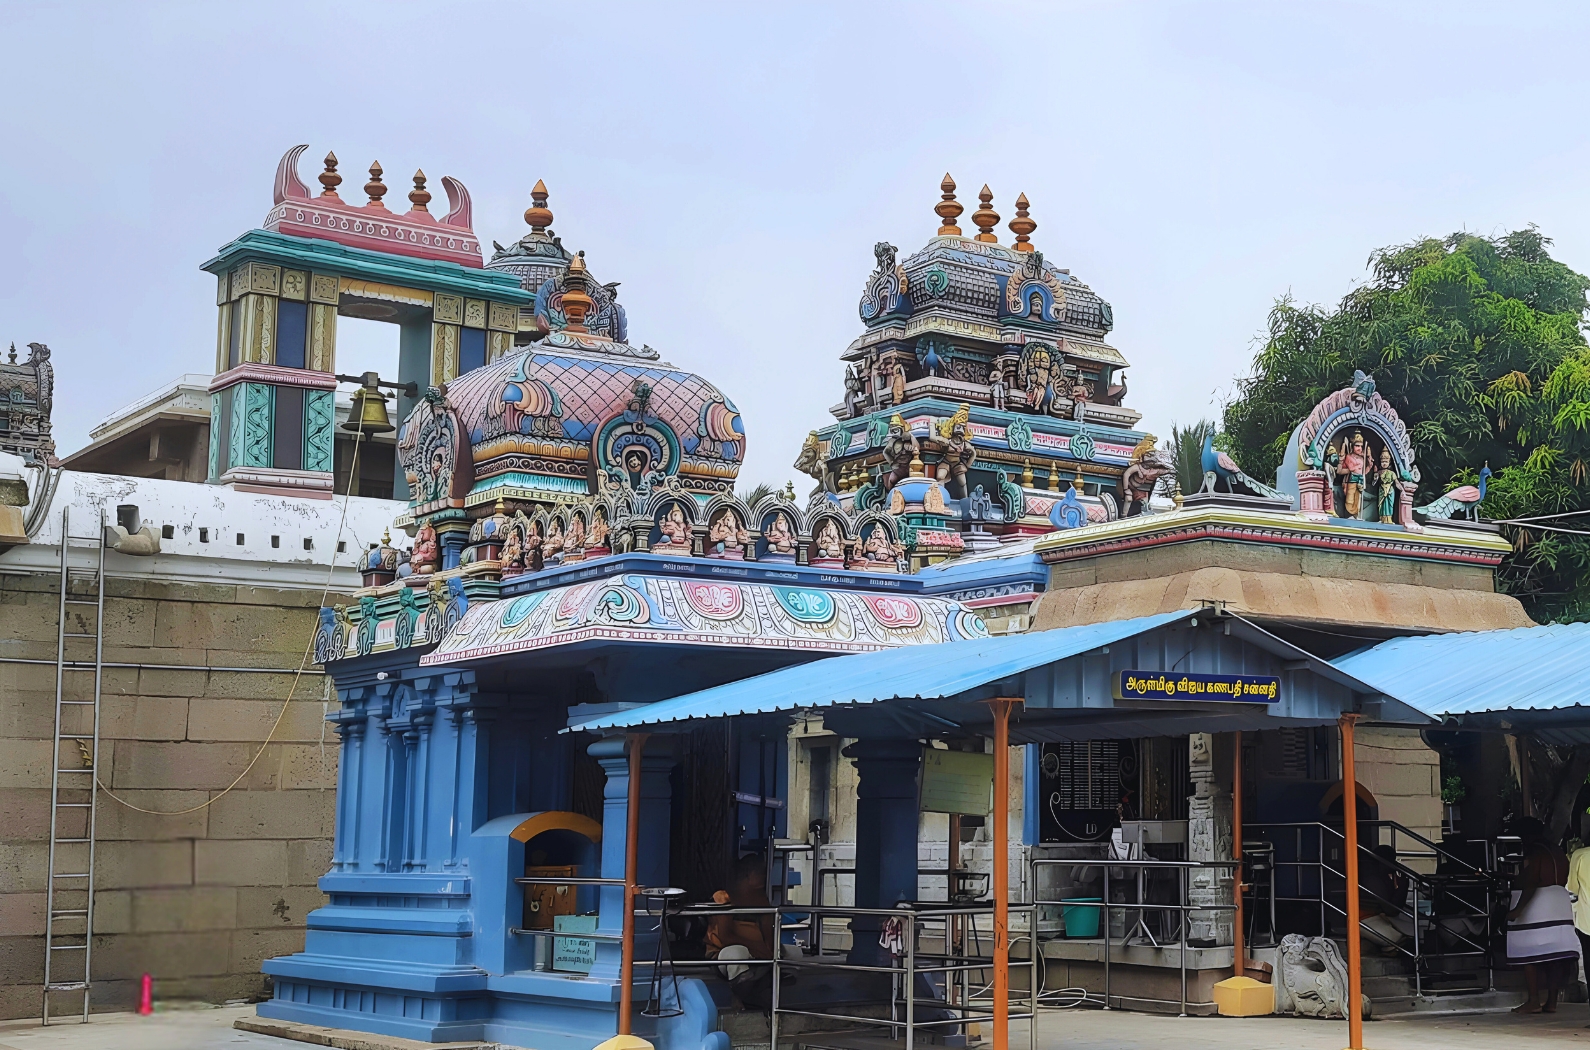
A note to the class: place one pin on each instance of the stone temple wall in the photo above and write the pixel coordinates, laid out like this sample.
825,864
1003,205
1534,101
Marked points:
197,900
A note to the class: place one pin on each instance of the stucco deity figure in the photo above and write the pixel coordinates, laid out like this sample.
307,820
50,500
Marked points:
877,380
811,463
780,535
552,546
598,539
574,543
828,544
1039,374
427,552
1079,398
996,387
534,545
726,538
1333,470
1138,481
900,448
855,402
512,556
675,530
897,383
879,549
1355,473
953,442
1386,487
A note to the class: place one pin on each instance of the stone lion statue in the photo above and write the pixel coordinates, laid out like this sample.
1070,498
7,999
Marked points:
1311,978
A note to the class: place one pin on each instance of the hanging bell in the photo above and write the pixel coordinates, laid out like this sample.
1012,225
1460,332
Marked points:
368,414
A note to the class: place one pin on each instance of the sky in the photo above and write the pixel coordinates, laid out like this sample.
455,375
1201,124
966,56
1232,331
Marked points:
733,164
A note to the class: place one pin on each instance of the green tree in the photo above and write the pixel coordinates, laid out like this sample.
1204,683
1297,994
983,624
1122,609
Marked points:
1478,344
1187,448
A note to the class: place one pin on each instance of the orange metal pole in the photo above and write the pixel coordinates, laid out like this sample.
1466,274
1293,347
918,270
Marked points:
1238,957
1001,864
626,968
1355,955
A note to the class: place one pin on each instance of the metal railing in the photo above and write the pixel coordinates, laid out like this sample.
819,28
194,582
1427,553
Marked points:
958,976
1106,907
1452,909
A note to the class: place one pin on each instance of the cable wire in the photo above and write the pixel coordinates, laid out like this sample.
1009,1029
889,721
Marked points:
303,663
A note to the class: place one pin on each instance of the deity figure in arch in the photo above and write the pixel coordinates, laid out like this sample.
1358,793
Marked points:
552,546
635,463
1355,474
574,545
996,387
1333,464
675,530
829,543
725,537
897,384
426,556
780,535
880,549
598,540
512,556
1387,482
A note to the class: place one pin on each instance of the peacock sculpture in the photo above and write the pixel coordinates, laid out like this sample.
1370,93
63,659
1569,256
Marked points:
1220,467
1465,500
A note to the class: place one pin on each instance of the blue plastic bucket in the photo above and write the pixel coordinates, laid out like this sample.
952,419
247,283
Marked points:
1081,916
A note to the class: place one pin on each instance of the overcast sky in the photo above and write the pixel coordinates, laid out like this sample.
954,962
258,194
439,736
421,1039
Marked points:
733,165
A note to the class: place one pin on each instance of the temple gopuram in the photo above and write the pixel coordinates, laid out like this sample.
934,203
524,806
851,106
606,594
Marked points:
589,678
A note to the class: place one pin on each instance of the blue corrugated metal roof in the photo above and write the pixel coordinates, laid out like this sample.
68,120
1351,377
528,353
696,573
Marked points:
1524,669
909,672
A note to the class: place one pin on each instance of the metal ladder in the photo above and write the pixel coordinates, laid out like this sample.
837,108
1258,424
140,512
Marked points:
69,914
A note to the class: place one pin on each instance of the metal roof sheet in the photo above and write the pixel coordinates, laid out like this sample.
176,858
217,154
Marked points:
1474,672
909,672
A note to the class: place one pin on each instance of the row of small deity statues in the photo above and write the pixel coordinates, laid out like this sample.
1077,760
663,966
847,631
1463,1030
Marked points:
1040,380
672,523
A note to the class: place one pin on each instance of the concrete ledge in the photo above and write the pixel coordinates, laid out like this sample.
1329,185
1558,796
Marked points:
342,1039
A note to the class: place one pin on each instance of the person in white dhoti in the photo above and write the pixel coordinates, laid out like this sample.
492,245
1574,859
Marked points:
1540,930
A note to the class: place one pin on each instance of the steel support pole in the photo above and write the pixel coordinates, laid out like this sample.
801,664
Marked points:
1001,872
626,967
1355,955
1238,957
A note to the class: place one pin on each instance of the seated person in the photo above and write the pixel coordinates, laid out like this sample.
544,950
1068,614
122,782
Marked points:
736,937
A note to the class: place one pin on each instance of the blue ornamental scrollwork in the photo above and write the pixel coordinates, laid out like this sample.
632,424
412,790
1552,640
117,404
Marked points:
1082,446
805,605
1011,497
1018,435
365,639
408,612
936,282
877,432
885,292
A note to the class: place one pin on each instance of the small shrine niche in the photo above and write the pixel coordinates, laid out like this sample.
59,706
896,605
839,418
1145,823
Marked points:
1352,459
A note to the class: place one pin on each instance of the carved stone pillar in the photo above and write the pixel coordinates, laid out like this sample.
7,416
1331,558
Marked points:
1208,838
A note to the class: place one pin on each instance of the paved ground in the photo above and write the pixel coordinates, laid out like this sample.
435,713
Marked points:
211,1029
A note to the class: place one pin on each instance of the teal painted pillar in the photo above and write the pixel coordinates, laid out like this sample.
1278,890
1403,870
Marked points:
655,825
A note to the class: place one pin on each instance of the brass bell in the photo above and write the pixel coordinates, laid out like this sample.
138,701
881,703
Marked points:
368,414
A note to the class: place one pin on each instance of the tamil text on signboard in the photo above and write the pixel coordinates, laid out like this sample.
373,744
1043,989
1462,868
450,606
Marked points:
1235,688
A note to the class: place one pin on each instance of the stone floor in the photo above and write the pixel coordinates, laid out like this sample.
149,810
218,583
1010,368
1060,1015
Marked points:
211,1029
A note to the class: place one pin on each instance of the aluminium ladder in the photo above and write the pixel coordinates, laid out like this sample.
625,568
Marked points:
69,908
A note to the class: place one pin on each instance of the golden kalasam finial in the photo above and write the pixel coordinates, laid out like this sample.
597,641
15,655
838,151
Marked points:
419,196
986,217
1078,483
1022,225
1026,473
948,209
576,303
1054,476
538,216
329,178
375,187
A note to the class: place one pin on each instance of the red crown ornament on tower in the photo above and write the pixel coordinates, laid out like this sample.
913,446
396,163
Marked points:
373,225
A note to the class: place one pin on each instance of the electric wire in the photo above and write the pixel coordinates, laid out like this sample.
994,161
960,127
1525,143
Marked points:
303,663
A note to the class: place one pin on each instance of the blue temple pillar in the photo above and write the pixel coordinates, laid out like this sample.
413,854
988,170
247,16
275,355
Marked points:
652,864
886,836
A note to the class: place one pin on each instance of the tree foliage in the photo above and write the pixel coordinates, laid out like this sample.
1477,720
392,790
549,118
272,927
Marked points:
1478,344
1187,448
